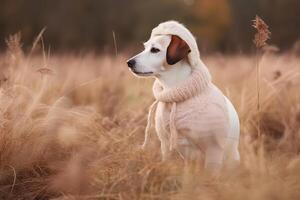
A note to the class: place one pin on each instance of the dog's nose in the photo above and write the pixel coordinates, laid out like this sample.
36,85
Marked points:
131,63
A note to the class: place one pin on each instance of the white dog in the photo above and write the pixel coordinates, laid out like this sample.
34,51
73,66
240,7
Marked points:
192,117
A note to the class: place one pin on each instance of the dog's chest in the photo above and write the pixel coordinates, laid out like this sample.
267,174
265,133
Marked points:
162,117
162,120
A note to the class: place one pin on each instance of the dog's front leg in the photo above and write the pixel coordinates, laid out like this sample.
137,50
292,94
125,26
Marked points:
214,156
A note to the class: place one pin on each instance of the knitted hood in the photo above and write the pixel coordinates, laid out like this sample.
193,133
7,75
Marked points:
175,28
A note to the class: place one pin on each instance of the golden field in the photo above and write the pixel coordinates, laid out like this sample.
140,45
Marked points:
71,126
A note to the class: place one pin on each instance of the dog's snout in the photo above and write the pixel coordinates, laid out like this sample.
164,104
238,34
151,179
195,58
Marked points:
131,63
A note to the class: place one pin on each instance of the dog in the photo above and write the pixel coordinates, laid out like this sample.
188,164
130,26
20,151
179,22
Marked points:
192,116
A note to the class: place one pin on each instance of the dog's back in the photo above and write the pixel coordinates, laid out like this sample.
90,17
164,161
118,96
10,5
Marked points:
232,156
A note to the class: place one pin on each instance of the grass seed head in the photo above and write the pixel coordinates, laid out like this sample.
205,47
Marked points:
263,33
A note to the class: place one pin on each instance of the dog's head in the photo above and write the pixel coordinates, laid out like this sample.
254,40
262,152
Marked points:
160,53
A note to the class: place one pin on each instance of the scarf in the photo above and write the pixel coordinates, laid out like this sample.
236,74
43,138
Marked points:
197,82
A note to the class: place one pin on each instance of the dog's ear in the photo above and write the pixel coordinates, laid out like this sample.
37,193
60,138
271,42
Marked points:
177,50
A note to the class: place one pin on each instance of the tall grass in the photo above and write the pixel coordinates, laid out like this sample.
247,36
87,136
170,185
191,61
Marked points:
71,125
260,41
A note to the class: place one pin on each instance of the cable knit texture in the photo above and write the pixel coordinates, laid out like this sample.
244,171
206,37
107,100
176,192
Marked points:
196,105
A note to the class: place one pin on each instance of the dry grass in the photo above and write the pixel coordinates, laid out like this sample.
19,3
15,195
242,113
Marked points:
70,127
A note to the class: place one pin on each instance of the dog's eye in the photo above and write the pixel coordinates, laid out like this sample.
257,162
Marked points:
154,50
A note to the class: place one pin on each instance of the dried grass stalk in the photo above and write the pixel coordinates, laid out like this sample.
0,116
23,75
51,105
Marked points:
260,41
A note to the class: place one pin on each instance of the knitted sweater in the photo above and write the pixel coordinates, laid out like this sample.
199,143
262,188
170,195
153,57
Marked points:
196,105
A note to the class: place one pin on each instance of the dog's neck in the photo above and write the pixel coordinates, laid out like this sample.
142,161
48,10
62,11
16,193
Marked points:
175,75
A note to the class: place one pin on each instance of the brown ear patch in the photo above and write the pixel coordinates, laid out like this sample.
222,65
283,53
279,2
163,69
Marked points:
177,50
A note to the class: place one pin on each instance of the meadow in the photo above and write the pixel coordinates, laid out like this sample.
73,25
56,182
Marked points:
71,127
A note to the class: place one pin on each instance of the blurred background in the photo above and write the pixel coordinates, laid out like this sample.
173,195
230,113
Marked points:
72,118
77,25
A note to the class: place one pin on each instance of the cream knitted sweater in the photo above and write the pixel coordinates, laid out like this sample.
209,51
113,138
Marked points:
196,105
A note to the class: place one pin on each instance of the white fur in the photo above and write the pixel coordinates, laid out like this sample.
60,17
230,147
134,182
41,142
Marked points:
232,153
177,74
